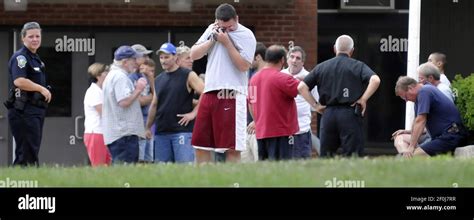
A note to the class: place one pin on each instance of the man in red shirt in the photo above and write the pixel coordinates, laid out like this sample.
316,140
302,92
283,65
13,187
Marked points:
273,107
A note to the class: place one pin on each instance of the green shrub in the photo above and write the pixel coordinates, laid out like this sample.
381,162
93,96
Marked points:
463,89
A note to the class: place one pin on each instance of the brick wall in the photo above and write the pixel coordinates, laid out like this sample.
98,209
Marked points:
273,23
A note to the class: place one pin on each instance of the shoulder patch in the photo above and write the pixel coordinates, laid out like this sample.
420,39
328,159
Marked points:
21,60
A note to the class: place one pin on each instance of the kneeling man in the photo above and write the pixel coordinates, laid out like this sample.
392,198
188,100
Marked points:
435,112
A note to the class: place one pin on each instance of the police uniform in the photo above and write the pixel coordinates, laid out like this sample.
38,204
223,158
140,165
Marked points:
341,82
26,116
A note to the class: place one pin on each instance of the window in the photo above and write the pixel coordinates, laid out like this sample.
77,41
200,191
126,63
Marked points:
367,4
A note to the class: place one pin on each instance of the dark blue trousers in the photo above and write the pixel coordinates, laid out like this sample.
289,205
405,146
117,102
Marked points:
27,129
302,146
275,148
341,128
124,149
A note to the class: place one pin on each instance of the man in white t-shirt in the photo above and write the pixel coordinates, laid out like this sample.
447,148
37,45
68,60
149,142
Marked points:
439,60
221,121
302,139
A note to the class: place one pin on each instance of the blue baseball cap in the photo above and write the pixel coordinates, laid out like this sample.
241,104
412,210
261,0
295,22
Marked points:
125,52
168,48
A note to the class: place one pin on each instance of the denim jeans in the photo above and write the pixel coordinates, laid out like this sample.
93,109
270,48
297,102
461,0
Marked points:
145,150
174,147
124,149
145,146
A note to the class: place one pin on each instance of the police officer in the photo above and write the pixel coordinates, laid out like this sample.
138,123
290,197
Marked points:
343,94
27,107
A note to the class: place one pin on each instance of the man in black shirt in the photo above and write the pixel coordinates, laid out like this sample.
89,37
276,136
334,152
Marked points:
343,95
172,107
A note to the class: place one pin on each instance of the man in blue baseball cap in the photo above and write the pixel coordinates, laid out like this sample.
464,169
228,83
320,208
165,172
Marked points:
126,52
172,107
121,112
168,48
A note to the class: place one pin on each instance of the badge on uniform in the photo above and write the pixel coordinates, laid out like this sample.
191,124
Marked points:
21,60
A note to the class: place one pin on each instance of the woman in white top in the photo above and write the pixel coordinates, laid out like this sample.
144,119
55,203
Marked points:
93,137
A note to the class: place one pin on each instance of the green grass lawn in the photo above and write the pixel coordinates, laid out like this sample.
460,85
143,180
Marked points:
442,171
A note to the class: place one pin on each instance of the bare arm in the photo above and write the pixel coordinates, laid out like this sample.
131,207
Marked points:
98,108
303,90
239,62
417,130
251,111
371,88
151,116
145,100
195,102
197,84
402,131
151,81
251,125
199,50
126,102
28,85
